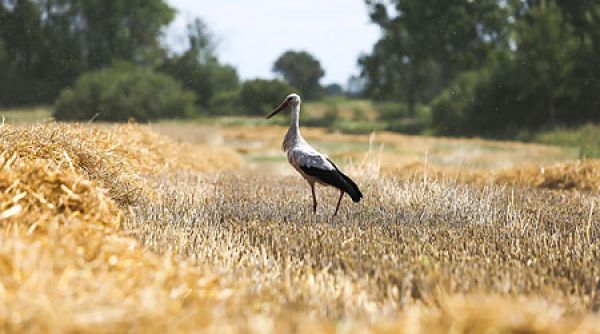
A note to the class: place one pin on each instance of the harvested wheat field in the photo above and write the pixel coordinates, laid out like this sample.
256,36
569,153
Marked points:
117,228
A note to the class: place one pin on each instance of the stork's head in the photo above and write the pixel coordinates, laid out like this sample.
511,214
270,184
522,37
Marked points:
291,100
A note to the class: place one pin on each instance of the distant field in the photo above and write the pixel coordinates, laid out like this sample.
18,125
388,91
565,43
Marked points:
206,229
360,116
26,115
263,143
585,138
258,142
346,109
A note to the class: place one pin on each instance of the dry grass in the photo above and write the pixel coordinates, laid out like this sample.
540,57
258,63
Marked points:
573,175
396,150
65,264
407,243
577,175
241,252
118,157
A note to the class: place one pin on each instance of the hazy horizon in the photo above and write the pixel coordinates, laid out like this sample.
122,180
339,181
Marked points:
251,37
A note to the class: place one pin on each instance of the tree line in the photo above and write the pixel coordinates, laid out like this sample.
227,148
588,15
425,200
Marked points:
460,67
488,67
104,60
46,44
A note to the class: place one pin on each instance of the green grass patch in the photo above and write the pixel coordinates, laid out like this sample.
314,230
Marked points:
266,158
344,108
333,147
585,138
26,115
359,127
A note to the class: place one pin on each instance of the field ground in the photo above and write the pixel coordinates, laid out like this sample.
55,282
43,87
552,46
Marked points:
355,116
25,115
178,227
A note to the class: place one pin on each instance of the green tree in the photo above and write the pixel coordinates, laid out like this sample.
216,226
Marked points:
426,43
49,43
199,70
546,79
260,96
122,29
301,70
22,37
334,89
124,92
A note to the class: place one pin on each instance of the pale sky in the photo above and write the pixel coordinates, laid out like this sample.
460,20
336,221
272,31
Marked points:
252,34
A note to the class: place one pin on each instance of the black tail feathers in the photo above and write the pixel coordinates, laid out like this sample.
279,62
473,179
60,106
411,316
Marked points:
349,186
351,189
337,179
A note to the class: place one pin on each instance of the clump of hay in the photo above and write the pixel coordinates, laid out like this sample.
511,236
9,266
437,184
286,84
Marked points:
155,152
119,158
575,175
417,170
66,266
493,314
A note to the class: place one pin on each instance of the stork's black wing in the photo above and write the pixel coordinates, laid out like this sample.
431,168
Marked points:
335,178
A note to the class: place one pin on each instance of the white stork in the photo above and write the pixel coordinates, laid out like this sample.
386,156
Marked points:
314,166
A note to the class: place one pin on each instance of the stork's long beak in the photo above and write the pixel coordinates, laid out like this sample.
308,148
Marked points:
282,106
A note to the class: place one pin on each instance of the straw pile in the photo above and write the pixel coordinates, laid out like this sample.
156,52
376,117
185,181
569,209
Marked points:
119,158
573,175
65,265
577,175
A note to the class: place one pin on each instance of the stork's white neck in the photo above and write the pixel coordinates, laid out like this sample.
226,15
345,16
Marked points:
293,136
295,122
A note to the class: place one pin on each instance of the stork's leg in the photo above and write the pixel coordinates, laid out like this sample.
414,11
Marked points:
337,207
312,188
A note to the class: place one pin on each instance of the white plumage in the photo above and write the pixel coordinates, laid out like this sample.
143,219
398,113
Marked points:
314,166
